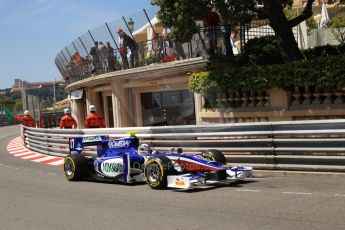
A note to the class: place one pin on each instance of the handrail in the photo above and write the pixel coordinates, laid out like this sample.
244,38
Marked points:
294,145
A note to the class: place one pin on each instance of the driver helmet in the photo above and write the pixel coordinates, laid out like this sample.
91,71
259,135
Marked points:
67,110
144,149
27,112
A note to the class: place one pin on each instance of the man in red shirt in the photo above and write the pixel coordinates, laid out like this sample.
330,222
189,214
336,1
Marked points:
27,120
94,120
67,121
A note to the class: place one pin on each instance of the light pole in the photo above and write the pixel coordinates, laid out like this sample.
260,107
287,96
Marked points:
131,25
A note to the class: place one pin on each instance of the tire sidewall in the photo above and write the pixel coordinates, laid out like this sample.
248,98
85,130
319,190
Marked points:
163,173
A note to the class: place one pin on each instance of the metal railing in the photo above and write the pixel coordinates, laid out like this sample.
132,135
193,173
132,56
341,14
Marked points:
294,145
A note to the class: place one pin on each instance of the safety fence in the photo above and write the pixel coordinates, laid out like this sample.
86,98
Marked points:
293,145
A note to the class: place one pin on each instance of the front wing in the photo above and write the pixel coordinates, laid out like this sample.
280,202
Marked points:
192,180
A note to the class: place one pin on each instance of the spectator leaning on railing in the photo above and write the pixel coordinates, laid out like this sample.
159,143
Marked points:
95,58
127,42
111,58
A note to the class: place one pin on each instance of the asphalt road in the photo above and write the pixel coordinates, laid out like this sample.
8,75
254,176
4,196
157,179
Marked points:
37,196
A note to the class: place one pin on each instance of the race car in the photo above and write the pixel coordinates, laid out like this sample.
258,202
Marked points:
123,160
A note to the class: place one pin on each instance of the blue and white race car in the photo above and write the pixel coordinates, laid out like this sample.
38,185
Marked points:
123,160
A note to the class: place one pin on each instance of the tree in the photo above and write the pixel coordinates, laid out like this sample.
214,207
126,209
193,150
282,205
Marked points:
338,29
180,15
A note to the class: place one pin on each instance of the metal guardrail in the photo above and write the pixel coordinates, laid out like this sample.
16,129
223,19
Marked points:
317,145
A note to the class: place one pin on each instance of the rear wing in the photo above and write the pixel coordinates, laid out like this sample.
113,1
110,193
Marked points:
77,144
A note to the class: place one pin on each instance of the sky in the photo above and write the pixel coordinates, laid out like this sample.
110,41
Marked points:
33,32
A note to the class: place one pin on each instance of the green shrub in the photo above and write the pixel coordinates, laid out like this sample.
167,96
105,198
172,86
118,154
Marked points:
338,29
324,72
261,51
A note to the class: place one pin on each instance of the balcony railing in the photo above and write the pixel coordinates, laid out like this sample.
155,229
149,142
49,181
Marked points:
76,61
150,52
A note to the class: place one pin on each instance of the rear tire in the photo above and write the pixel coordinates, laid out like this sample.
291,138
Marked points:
75,167
157,170
214,155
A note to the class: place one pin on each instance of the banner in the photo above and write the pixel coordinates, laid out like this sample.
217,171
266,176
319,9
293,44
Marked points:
8,113
76,94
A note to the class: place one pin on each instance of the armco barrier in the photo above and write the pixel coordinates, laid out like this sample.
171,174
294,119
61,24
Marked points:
295,145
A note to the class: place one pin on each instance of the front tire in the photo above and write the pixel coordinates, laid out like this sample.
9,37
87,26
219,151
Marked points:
156,172
214,155
75,167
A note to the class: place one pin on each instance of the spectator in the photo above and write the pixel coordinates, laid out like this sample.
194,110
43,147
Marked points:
127,42
169,51
94,120
95,58
157,48
27,120
102,50
111,58
172,47
67,121
211,23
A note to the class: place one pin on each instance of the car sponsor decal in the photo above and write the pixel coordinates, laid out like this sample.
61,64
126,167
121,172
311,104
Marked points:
92,139
119,143
112,167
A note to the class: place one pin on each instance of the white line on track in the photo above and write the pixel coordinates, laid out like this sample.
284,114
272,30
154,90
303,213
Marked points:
53,174
298,193
44,159
22,154
19,151
31,156
58,162
248,190
14,147
342,195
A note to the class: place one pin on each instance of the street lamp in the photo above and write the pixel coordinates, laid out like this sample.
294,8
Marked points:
131,25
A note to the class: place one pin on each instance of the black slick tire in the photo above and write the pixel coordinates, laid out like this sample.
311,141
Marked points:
75,167
157,170
214,155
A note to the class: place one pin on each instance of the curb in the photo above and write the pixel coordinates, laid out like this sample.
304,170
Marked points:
15,147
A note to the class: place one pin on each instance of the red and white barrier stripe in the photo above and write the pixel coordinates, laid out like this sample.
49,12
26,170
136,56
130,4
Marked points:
16,148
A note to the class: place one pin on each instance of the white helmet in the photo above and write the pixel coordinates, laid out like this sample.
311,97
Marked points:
67,110
26,112
92,108
144,149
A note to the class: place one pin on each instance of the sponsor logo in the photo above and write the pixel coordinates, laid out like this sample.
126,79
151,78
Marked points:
112,167
119,143
79,147
92,139
179,182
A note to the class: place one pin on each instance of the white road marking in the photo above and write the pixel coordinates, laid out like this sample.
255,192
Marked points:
53,174
18,151
343,195
58,162
44,159
22,154
298,193
249,190
31,156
